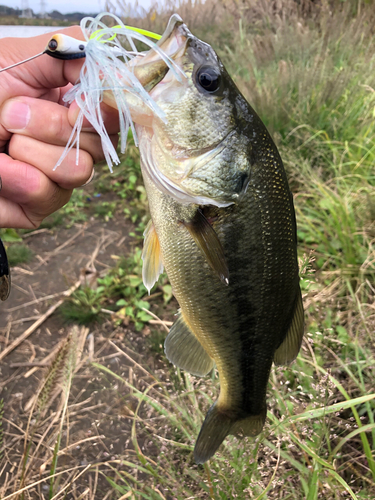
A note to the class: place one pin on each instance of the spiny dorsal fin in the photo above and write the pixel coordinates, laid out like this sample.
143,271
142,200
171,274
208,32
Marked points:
288,350
207,240
151,255
184,350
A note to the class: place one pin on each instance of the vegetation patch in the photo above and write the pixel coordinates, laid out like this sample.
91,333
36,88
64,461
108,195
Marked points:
19,254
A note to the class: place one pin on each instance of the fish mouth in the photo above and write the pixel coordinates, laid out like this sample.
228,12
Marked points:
150,69
174,38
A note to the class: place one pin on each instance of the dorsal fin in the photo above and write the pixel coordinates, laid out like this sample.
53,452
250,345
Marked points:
289,348
184,350
207,240
151,255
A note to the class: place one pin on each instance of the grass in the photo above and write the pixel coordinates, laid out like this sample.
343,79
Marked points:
293,438
19,21
56,382
120,292
308,70
19,253
316,95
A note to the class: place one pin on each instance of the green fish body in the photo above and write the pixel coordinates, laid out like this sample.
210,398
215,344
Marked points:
223,226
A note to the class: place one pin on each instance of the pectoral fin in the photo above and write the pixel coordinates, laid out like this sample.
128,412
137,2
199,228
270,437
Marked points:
184,350
207,240
151,255
288,350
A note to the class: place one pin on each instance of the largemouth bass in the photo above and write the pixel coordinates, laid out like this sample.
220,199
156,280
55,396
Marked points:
223,226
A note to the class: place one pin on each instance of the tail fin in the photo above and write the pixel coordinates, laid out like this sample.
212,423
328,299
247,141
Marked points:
217,425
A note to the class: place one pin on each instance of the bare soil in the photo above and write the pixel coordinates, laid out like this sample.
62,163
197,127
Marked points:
101,408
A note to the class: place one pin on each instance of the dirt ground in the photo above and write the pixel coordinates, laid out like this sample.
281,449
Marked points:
100,407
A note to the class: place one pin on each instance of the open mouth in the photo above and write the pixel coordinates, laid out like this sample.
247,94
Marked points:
150,69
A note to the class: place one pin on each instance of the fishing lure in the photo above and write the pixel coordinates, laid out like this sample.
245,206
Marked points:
107,67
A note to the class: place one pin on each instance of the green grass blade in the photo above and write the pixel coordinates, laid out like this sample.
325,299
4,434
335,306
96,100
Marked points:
326,410
314,484
343,483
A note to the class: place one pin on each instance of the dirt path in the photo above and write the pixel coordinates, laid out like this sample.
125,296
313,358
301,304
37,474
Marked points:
61,258
101,408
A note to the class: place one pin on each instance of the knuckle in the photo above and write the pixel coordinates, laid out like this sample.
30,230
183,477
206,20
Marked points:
14,146
82,170
85,165
57,126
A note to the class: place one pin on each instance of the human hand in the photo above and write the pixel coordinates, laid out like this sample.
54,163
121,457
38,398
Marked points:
34,129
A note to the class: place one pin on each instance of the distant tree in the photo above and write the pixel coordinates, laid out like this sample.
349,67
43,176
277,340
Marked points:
9,11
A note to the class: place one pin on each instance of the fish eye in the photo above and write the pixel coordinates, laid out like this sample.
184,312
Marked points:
208,78
52,44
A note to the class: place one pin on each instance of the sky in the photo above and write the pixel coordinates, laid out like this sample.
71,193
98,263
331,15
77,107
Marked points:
66,6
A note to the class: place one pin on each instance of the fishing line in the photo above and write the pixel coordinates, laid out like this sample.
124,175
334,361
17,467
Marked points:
24,61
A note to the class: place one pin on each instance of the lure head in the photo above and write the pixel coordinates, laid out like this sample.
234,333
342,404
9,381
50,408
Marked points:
65,47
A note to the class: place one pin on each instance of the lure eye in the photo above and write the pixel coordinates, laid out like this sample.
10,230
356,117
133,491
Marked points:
208,78
52,44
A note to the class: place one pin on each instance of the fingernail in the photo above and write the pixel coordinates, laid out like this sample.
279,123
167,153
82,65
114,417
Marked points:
15,115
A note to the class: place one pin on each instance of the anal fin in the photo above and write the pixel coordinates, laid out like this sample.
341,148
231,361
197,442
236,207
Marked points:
185,351
207,240
151,255
289,348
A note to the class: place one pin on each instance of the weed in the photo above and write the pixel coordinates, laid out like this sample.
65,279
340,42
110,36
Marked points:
84,306
296,438
120,291
57,379
105,209
156,341
125,183
10,235
74,211
19,254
